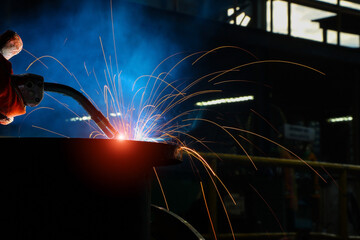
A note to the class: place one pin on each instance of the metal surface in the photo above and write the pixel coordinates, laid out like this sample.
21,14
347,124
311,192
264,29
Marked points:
281,162
78,188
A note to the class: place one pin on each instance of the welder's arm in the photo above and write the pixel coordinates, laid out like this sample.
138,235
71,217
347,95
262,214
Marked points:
19,91
11,104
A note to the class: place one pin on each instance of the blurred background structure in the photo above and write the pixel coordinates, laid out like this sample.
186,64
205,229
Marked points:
315,116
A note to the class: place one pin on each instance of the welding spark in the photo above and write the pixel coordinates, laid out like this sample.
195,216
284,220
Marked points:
120,137
148,115
145,116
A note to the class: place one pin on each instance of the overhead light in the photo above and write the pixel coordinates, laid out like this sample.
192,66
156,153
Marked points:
245,21
230,11
115,114
83,118
241,19
340,119
225,101
86,118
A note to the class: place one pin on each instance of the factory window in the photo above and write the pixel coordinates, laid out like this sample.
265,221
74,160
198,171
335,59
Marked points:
301,17
277,14
302,24
331,36
346,39
349,40
315,24
349,4
343,3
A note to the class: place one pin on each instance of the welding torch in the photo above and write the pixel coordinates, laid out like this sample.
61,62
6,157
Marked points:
32,92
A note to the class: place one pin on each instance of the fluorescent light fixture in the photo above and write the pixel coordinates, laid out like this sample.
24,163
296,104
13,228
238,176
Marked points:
340,119
241,19
225,101
83,118
115,114
86,118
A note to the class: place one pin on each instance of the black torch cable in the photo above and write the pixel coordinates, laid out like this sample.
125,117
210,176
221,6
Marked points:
100,120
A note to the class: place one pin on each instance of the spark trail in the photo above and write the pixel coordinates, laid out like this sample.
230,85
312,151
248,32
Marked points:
149,114
143,120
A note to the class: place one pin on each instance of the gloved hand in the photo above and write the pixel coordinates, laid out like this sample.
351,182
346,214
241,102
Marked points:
10,44
11,103
31,88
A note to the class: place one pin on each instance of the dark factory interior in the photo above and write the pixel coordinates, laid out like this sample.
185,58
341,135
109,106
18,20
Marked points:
181,119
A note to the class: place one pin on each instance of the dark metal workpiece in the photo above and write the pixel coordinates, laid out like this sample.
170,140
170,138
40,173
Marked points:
95,114
79,188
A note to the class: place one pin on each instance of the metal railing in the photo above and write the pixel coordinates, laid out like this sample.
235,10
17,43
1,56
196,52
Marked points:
343,169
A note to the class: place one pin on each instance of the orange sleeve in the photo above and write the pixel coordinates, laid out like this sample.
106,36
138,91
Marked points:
11,105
